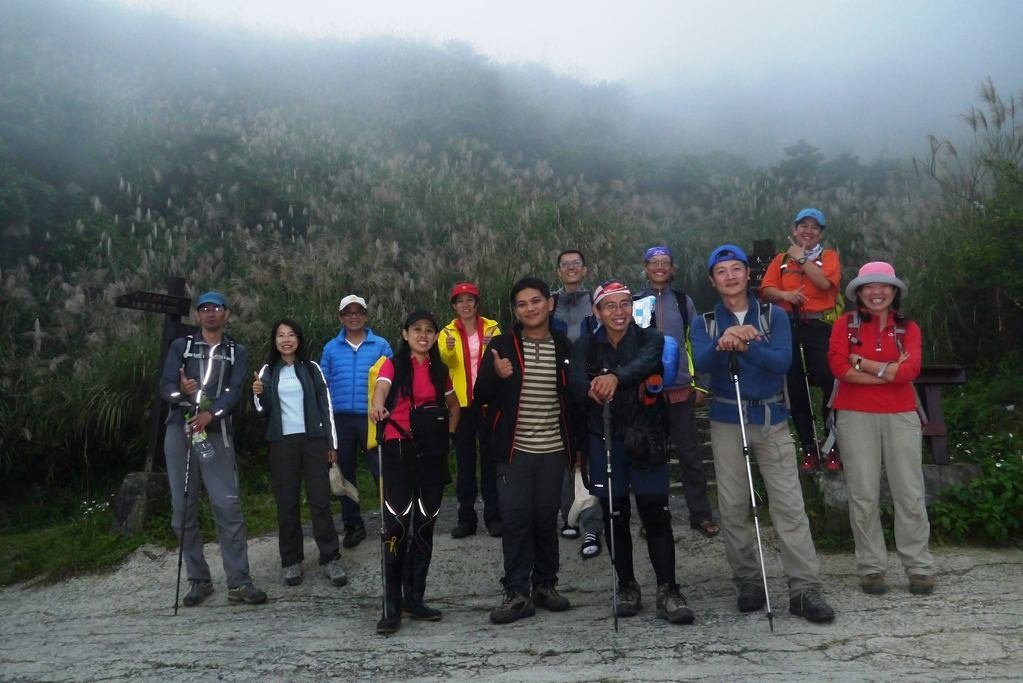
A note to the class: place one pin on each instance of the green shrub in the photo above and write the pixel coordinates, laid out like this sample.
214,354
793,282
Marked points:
988,509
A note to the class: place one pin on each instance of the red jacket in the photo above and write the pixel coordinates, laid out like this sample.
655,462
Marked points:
897,396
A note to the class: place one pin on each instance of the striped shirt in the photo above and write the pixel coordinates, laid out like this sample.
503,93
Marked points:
538,429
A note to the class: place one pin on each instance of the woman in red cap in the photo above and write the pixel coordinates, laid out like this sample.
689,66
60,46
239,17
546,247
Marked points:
462,343
875,354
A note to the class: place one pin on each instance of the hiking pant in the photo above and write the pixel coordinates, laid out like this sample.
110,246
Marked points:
776,459
682,422
472,429
219,476
814,336
529,487
411,505
351,440
294,459
869,441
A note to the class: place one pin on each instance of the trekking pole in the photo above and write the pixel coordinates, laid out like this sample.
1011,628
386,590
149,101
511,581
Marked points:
383,522
611,512
809,397
184,497
184,517
733,371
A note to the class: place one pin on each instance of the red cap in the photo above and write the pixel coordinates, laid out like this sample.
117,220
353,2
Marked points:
464,288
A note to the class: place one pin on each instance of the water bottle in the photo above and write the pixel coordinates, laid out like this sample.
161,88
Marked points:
201,444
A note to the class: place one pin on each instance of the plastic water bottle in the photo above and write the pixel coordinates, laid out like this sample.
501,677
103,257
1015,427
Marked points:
201,444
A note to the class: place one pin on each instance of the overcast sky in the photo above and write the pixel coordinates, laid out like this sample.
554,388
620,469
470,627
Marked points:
871,75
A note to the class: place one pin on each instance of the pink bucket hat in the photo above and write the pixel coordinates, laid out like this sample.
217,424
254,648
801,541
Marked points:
875,272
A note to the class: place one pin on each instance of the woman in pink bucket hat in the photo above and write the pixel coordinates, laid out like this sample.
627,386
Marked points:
875,355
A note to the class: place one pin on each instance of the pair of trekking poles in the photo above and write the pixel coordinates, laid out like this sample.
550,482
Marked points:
733,372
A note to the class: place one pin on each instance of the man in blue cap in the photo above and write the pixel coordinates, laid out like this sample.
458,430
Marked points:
202,382
759,339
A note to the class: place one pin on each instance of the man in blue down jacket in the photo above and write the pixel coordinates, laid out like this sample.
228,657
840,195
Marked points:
346,362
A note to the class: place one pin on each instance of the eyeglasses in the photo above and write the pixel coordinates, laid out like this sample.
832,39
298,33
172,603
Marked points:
353,314
660,263
575,263
614,306
210,308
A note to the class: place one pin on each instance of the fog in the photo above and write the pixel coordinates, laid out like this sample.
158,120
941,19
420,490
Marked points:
869,78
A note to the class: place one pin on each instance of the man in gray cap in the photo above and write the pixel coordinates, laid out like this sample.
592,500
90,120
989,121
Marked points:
202,381
346,362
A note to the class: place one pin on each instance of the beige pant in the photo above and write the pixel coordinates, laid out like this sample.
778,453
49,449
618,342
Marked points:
867,441
776,459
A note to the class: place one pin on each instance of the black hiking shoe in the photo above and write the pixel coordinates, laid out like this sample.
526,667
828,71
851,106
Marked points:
810,605
514,607
547,597
419,610
246,593
751,597
198,590
671,605
630,599
354,535
463,530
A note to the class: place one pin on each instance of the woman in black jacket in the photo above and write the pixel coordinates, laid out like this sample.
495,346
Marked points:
290,391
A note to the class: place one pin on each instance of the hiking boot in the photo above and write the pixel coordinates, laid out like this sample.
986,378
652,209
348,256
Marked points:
246,593
671,605
293,574
419,610
811,459
873,584
495,528
630,599
463,529
198,590
810,605
390,622
921,584
335,572
548,598
751,597
514,607
590,547
569,531
833,463
354,535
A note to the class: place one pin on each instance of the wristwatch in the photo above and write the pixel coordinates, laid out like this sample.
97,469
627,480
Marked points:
802,260
858,365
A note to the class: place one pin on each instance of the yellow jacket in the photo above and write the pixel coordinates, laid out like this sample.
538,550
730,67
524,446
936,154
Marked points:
457,359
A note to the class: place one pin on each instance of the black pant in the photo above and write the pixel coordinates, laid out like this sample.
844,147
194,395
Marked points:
814,336
529,490
682,420
472,428
660,542
412,498
292,459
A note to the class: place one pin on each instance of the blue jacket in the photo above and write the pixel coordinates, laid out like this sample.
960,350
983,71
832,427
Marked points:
762,368
347,370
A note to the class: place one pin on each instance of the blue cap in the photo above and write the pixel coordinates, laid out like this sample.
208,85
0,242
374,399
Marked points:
657,251
815,214
211,298
726,252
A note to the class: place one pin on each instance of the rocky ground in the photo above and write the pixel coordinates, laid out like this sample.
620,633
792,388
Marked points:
120,625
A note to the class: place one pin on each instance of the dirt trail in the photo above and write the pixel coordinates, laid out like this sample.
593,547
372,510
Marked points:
120,626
